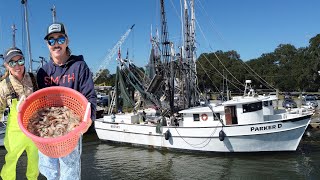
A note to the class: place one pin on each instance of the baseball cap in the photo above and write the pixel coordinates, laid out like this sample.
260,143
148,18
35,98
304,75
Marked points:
55,28
12,52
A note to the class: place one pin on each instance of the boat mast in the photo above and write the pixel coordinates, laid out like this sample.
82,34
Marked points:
166,57
13,27
54,14
193,53
189,55
24,2
186,55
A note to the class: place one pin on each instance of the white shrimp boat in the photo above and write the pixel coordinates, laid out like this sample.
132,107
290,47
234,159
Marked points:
248,123
244,124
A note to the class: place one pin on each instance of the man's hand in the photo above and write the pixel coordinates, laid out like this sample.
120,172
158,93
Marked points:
89,122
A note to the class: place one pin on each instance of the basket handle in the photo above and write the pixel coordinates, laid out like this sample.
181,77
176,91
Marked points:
23,97
88,108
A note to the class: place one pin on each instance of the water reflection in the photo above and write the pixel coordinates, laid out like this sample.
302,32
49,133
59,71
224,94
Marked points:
125,162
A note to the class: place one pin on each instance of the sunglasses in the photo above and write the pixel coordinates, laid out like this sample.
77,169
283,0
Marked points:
14,63
59,40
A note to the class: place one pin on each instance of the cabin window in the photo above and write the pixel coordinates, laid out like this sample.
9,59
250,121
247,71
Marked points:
196,117
267,103
216,116
252,107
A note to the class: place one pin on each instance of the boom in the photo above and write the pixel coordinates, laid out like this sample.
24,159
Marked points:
113,51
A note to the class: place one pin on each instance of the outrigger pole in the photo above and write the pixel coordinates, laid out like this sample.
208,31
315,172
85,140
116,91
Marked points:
24,2
54,14
13,27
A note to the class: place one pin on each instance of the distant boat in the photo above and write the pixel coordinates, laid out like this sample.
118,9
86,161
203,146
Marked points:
3,124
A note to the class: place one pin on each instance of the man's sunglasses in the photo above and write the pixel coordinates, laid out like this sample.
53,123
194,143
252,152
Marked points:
14,63
59,40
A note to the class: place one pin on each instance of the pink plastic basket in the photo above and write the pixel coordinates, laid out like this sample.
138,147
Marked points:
55,96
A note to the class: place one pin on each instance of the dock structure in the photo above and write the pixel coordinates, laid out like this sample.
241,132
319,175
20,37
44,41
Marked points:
315,124
102,88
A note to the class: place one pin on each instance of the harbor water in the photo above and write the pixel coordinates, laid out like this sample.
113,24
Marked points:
106,160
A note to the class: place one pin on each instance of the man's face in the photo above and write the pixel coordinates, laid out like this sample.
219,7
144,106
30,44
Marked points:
57,44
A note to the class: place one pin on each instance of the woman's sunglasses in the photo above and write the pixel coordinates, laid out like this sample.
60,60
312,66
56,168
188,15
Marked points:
14,63
59,40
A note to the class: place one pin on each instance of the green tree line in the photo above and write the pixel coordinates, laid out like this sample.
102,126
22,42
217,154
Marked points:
287,68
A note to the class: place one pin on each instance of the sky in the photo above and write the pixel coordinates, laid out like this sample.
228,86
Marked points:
249,27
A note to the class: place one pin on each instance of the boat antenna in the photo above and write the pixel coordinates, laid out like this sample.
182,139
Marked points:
13,27
24,2
54,14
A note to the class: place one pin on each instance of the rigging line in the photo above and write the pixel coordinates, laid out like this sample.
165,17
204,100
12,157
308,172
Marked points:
210,47
140,73
210,107
216,56
211,72
180,19
126,74
181,14
157,15
133,50
220,72
243,63
151,97
133,75
176,11
208,104
209,77
136,69
259,76
197,145
211,22
253,74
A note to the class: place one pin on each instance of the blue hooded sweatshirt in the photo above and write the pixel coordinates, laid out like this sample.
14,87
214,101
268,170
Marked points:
74,74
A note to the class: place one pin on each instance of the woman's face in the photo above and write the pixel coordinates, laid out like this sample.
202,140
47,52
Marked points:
16,66
57,44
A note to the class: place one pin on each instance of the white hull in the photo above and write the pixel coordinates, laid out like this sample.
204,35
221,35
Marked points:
277,135
2,132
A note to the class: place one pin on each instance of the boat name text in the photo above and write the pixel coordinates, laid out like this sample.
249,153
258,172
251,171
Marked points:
263,128
115,126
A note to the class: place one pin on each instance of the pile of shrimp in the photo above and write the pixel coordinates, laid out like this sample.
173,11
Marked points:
50,122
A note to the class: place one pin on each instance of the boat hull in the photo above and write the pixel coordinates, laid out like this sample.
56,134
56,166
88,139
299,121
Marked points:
280,135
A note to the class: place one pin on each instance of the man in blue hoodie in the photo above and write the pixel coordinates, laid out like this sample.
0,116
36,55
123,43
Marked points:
70,71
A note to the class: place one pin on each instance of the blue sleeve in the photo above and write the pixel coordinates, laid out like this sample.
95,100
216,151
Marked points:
87,89
40,75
